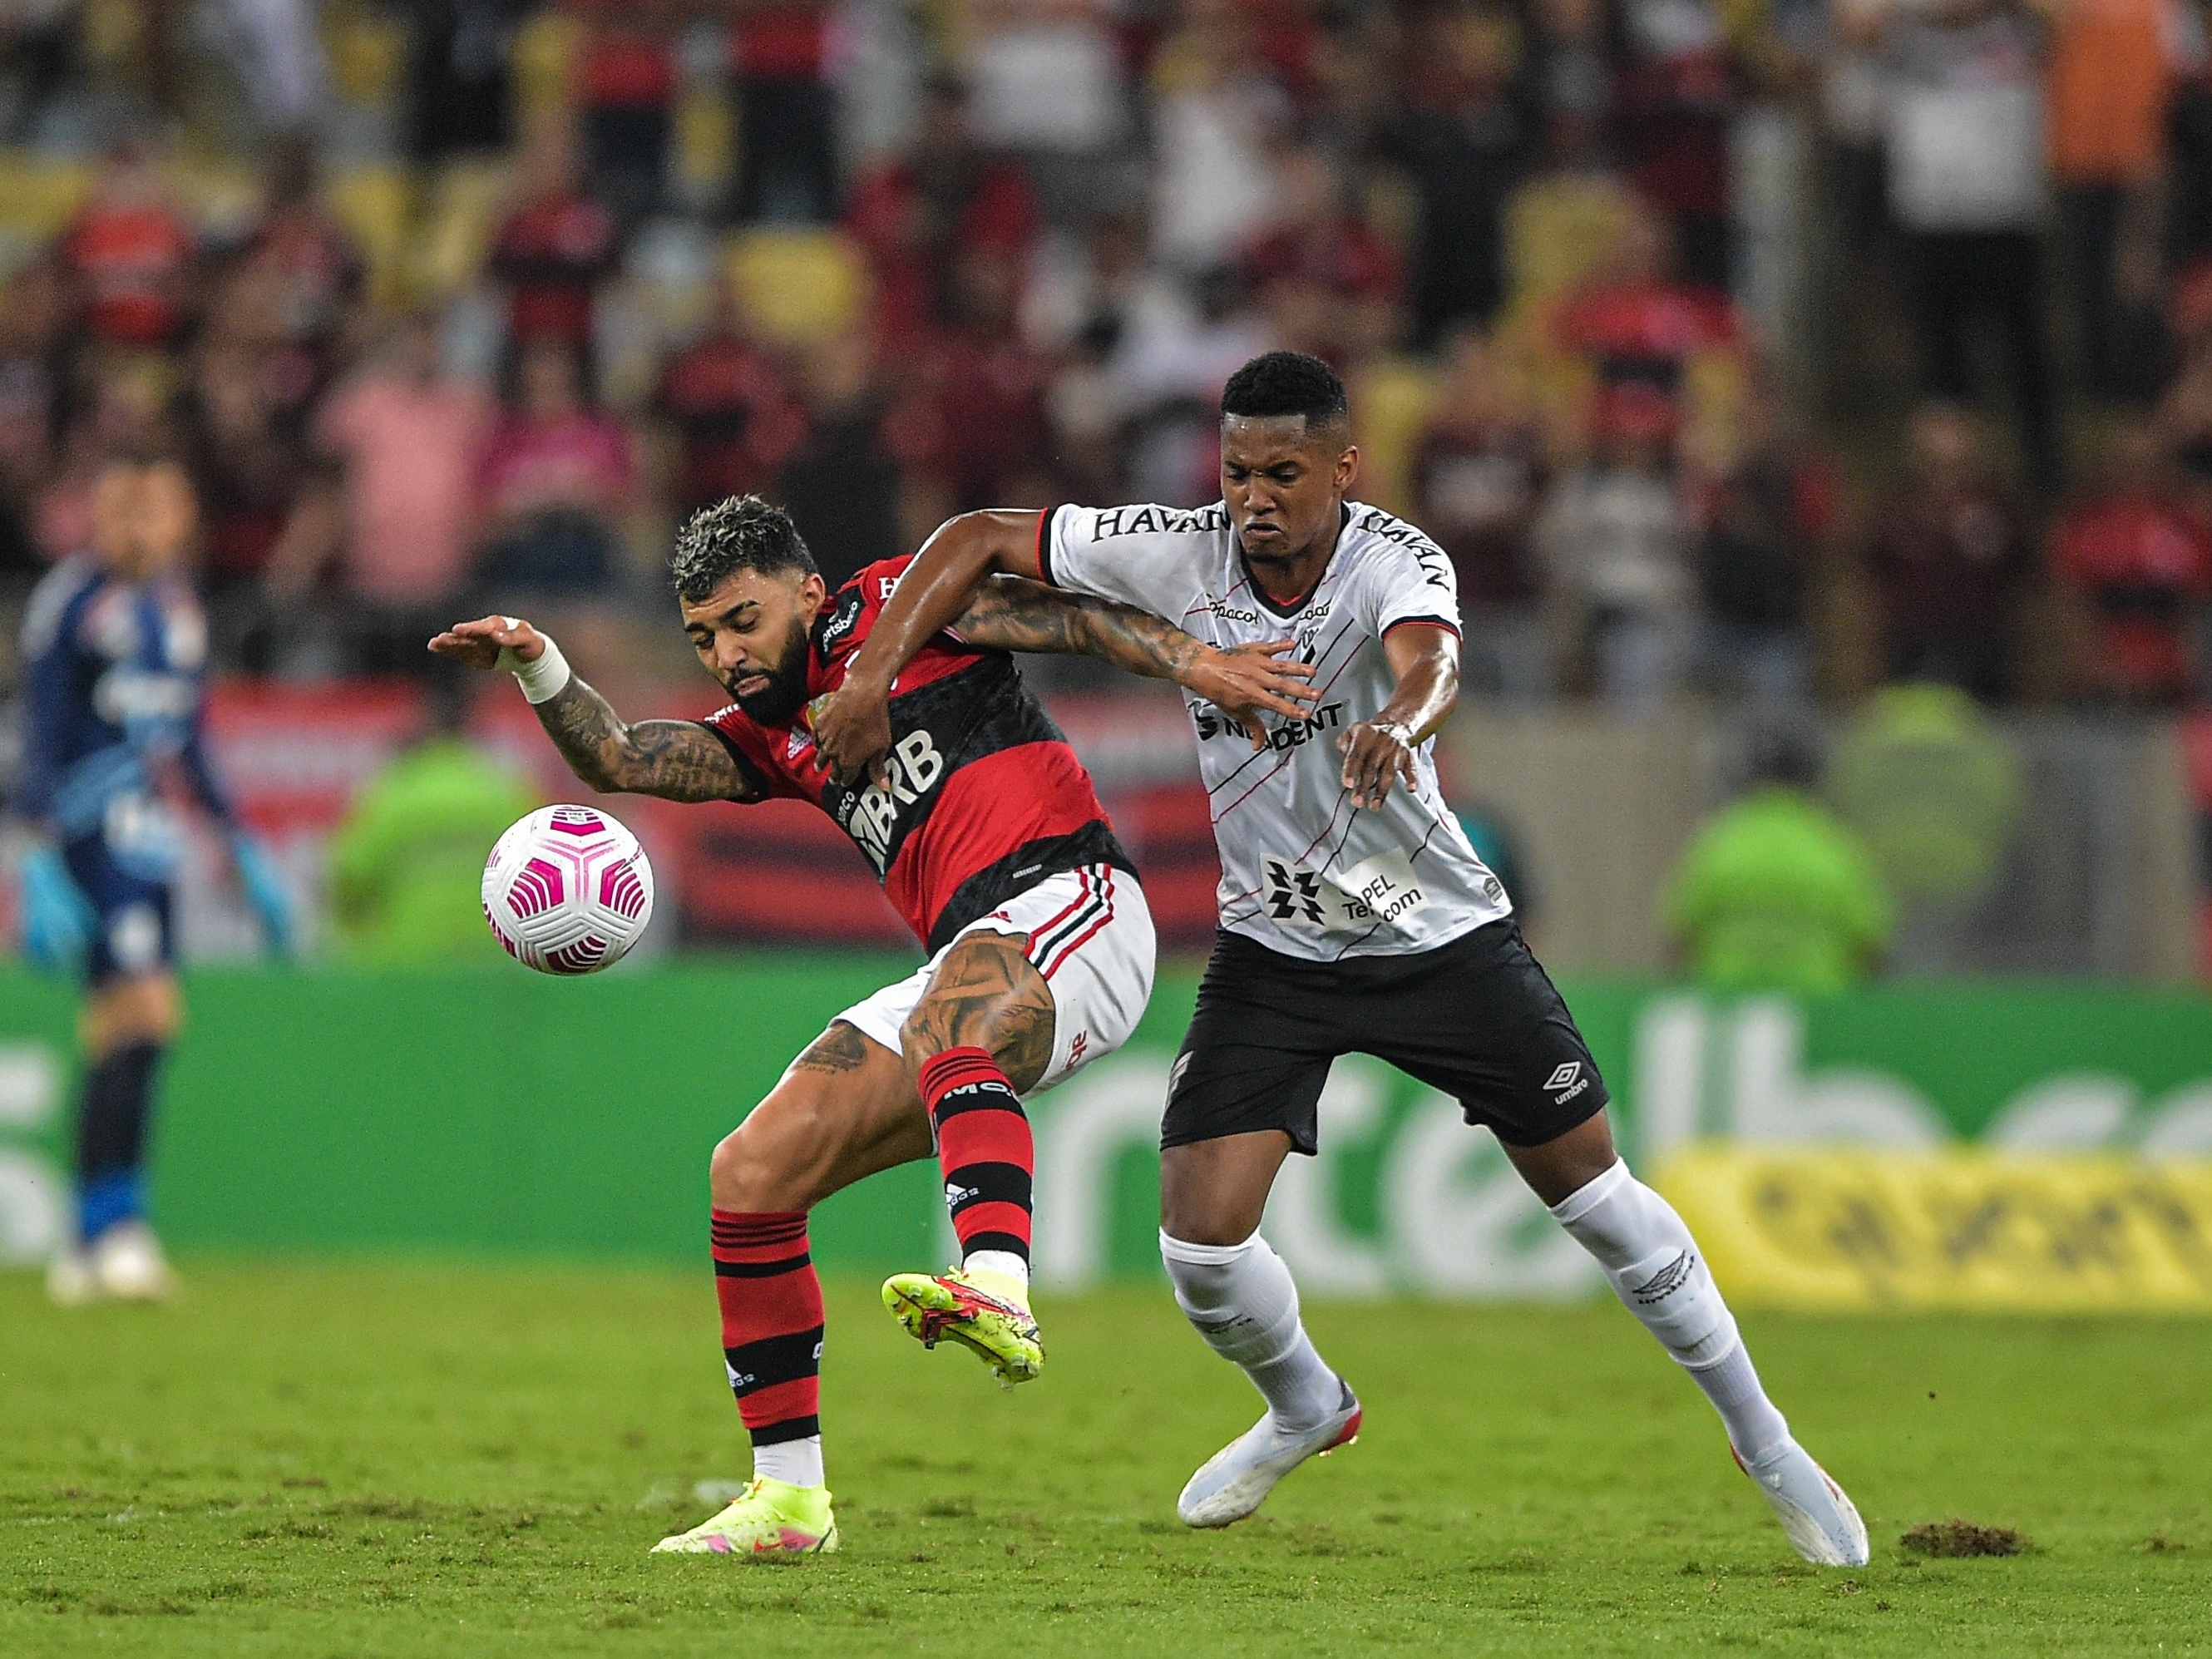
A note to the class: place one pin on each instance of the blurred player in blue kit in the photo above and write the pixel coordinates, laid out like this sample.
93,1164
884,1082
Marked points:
115,654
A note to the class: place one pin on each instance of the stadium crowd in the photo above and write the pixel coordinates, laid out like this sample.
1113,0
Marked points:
1666,318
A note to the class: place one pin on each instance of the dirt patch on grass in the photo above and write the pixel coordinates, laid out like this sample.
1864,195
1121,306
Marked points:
1955,1537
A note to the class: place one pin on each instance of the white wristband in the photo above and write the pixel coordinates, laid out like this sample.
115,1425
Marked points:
542,680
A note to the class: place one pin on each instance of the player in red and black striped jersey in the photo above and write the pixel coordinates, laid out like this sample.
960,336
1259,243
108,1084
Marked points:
990,840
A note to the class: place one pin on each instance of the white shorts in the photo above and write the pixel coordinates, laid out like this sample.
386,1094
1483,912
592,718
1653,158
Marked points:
1090,936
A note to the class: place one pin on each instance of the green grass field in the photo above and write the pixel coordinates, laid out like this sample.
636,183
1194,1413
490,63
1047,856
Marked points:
415,1459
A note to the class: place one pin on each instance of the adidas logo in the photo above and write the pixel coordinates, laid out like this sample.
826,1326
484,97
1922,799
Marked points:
958,1194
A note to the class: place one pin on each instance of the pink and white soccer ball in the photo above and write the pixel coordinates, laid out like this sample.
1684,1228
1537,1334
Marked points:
567,890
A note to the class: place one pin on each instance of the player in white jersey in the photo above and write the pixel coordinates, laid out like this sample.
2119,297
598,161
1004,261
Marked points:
1355,917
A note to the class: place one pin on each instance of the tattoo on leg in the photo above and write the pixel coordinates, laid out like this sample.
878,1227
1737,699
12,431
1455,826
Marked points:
840,1048
988,995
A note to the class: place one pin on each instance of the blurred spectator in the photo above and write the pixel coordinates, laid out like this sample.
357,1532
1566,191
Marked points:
1768,515
1326,280
1949,560
1479,477
124,410
1045,83
406,442
2185,415
1463,145
1640,322
251,470
1967,185
734,411
626,92
1775,892
294,280
1219,112
973,425
407,864
916,213
780,52
460,77
34,323
557,246
130,254
841,487
2138,563
2110,85
1674,96
557,478
1615,540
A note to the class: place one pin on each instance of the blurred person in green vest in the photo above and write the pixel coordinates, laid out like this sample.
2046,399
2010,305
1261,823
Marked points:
1776,893
407,865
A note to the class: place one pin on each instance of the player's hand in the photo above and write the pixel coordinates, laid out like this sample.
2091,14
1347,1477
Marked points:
1376,754
1247,680
851,727
271,900
478,643
57,921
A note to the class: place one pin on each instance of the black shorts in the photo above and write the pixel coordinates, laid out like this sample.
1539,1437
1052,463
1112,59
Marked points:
1478,1018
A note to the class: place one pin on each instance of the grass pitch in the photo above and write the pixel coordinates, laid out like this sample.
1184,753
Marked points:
414,1460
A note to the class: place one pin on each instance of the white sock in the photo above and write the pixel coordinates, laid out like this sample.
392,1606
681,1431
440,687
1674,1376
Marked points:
799,1462
1241,1299
1004,1263
1655,1267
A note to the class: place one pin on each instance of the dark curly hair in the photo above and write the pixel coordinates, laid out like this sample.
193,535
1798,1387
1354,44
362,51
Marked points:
743,532
1286,383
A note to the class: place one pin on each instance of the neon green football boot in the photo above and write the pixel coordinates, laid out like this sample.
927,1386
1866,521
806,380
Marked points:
769,1518
984,1311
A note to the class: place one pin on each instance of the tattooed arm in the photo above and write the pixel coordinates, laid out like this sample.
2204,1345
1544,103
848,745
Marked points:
1011,613
677,760
1008,613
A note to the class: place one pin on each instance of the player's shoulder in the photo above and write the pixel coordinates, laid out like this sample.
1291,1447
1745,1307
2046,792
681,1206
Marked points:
1111,529
1375,534
59,591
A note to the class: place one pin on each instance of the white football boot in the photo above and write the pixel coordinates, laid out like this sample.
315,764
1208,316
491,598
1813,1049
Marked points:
128,1264
1236,1479
1822,1525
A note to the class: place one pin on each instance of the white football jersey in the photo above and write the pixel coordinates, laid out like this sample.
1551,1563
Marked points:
1302,870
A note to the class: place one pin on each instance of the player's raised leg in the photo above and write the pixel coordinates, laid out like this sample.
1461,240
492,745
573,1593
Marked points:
1239,1296
1654,1266
1051,980
844,1109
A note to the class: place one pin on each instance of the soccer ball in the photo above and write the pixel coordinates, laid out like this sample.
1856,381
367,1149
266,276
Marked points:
567,890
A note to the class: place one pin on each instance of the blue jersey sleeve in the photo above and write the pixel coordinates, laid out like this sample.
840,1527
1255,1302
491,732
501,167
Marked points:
198,768
50,672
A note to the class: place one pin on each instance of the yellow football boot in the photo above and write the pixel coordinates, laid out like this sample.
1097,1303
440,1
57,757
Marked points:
769,1518
984,1311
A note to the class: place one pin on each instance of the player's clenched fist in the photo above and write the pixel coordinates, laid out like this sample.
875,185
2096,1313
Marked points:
1248,681
478,643
1375,752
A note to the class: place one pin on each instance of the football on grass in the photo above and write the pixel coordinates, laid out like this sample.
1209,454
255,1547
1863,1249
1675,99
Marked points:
567,890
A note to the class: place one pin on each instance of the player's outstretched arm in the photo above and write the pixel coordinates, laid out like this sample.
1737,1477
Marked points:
852,728
676,760
1008,613
1425,659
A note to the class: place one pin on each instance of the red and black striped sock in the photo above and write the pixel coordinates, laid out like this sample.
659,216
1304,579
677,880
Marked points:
984,1147
771,1322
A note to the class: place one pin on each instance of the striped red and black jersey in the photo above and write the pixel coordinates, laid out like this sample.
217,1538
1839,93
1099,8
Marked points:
984,798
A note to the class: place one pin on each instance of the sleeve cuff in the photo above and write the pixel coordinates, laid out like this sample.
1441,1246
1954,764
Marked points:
757,783
1044,546
1444,623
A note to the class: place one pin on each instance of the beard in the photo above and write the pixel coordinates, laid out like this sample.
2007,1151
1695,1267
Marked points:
779,705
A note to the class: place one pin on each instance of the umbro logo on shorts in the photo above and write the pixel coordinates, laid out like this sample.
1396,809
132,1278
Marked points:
1565,1077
